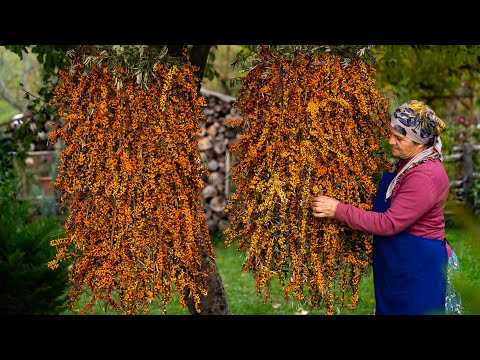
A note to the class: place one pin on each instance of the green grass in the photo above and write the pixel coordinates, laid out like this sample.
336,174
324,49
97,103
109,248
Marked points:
243,299
463,235
469,282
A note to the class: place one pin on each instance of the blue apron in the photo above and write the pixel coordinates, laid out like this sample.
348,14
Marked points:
408,270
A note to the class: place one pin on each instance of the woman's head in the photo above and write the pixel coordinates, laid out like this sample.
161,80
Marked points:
417,122
403,147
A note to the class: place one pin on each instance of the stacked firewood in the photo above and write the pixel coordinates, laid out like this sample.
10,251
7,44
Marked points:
214,142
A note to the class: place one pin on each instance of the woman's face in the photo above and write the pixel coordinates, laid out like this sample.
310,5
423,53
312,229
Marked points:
402,147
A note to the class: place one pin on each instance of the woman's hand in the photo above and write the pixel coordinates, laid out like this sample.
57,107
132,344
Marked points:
324,206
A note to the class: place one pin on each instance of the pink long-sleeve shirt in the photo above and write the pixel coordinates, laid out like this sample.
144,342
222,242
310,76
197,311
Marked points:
417,206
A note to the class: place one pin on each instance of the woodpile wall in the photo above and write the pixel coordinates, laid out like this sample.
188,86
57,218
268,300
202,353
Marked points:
214,141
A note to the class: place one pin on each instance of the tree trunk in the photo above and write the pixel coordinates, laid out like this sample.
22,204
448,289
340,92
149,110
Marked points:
199,57
215,302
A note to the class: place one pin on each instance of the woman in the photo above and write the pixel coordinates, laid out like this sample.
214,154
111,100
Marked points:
410,253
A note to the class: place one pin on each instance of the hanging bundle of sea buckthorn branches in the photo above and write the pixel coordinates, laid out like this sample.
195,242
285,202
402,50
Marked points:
130,174
311,125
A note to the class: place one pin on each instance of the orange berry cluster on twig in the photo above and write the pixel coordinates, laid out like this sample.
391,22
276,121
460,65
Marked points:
130,174
310,126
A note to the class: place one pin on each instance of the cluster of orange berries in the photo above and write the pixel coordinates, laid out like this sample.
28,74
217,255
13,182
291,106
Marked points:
310,125
130,174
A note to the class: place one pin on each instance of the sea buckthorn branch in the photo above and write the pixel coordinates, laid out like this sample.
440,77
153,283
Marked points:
310,125
130,174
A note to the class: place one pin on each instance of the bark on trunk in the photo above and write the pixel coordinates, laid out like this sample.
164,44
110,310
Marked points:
215,302
199,57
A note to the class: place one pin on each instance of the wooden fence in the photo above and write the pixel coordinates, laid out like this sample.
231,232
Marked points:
464,187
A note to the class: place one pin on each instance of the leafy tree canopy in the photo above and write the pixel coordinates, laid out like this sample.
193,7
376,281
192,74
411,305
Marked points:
427,72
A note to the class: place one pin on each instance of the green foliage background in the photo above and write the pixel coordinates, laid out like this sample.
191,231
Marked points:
27,285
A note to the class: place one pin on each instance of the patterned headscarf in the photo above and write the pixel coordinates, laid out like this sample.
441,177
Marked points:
418,122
